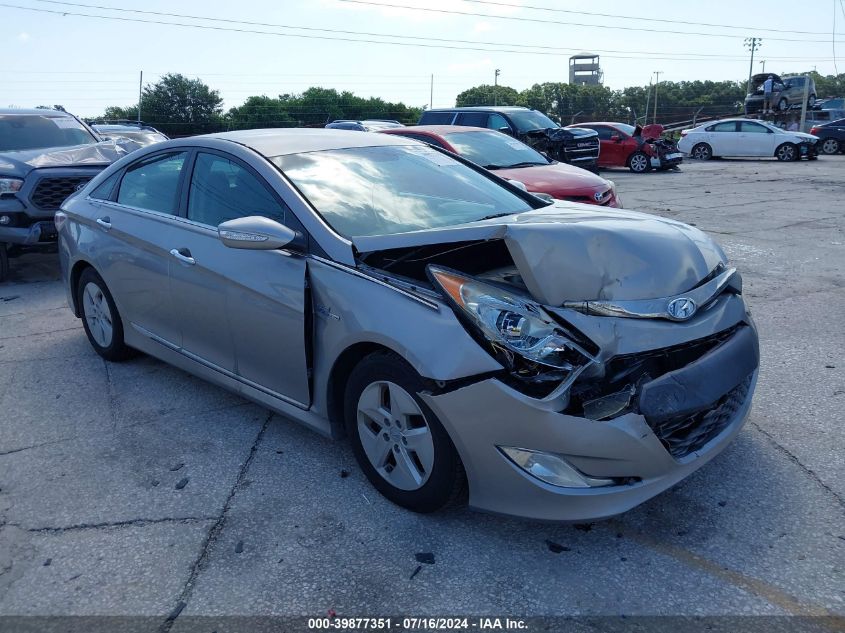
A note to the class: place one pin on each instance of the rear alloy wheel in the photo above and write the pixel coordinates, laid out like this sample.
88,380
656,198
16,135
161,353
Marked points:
4,262
100,317
830,146
398,441
783,104
702,151
787,152
638,163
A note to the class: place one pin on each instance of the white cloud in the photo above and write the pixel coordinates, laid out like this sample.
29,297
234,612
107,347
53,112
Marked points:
23,37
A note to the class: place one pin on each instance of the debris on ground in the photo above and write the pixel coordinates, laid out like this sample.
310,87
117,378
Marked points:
416,571
557,548
239,548
182,483
426,558
176,467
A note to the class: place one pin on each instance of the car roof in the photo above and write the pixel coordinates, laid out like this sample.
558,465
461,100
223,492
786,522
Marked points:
112,127
483,108
35,111
611,123
281,141
439,130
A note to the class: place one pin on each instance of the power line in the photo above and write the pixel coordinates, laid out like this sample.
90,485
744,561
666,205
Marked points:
559,22
639,18
650,54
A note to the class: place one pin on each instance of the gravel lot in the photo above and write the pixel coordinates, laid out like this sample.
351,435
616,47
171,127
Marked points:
133,488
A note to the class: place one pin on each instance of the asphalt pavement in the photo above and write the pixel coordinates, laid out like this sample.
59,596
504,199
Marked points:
136,489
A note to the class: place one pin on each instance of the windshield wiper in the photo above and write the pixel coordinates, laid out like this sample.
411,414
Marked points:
493,217
527,163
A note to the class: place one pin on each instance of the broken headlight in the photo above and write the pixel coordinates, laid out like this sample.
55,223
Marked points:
512,324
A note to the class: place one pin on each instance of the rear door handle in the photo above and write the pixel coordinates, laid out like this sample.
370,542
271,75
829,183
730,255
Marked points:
104,222
183,255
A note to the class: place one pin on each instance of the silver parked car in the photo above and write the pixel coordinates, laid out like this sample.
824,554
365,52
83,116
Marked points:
560,361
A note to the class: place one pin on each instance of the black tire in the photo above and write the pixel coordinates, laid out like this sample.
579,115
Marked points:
783,105
701,151
787,152
116,350
830,146
639,162
811,100
446,481
4,262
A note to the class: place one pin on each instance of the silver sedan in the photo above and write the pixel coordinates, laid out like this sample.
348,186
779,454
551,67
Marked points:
549,360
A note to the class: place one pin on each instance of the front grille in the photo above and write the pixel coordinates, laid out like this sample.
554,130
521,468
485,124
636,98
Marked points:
49,193
682,436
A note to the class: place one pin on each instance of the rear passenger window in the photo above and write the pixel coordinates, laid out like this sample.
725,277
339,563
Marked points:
153,183
222,190
437,118
105,188
473,119
604,132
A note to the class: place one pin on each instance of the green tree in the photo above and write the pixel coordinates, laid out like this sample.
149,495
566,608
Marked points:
485,95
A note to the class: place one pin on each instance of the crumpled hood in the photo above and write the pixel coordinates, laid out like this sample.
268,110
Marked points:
557,179
573,252
20,163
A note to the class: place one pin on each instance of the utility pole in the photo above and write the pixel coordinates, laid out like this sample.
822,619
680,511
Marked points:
496,87
656,84
647,102
763,66
752,44
431,94
140,92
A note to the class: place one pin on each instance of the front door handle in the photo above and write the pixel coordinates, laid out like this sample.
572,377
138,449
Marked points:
104,222
183,255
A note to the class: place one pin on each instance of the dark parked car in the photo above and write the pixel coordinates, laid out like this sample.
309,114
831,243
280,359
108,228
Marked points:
575,146
831,136
635,147
786,92
45,155
512,160
367,125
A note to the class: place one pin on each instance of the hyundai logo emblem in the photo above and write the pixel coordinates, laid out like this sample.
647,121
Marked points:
681,309
598,196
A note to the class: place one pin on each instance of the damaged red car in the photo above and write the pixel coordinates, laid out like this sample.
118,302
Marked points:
514,160
638,148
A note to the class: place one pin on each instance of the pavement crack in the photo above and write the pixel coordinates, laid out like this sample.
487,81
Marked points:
28,448
811,473
117,524
213,533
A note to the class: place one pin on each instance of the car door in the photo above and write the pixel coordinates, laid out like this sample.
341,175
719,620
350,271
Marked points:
722,138
607,148
135,219
755,139
242,311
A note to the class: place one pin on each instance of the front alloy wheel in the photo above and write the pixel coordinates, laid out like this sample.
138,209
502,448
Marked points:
638,163
702,151
787,152
398,441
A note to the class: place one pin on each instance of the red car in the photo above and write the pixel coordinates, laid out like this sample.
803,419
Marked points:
514,160
637,148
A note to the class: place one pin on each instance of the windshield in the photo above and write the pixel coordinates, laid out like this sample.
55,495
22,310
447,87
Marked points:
527,120
494,150
36,131
144,137
628,129
395,188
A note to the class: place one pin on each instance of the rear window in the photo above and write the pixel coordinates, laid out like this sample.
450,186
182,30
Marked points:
35,131
437,118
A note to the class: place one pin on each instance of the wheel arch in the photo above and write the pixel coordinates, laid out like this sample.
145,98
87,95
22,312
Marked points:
75,274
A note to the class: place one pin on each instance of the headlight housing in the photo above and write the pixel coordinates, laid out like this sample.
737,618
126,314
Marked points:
514,327
10,185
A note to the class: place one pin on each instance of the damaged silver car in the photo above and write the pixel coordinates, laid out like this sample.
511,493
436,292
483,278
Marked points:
552,360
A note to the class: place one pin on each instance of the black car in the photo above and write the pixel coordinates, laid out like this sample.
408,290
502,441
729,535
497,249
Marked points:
45,155
576,146
831,136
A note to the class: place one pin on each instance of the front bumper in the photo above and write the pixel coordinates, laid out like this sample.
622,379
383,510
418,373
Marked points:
37,234
666,161
625,448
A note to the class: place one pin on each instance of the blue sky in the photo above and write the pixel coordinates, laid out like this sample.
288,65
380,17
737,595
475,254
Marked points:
88,63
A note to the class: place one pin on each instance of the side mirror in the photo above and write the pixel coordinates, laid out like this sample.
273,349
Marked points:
615,138
506,130
259,234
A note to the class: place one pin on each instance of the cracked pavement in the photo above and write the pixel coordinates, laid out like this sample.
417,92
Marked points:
136,489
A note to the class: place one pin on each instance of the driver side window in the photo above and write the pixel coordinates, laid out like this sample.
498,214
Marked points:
497,122
223,190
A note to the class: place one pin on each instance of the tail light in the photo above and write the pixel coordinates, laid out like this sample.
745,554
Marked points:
814,130
683,133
